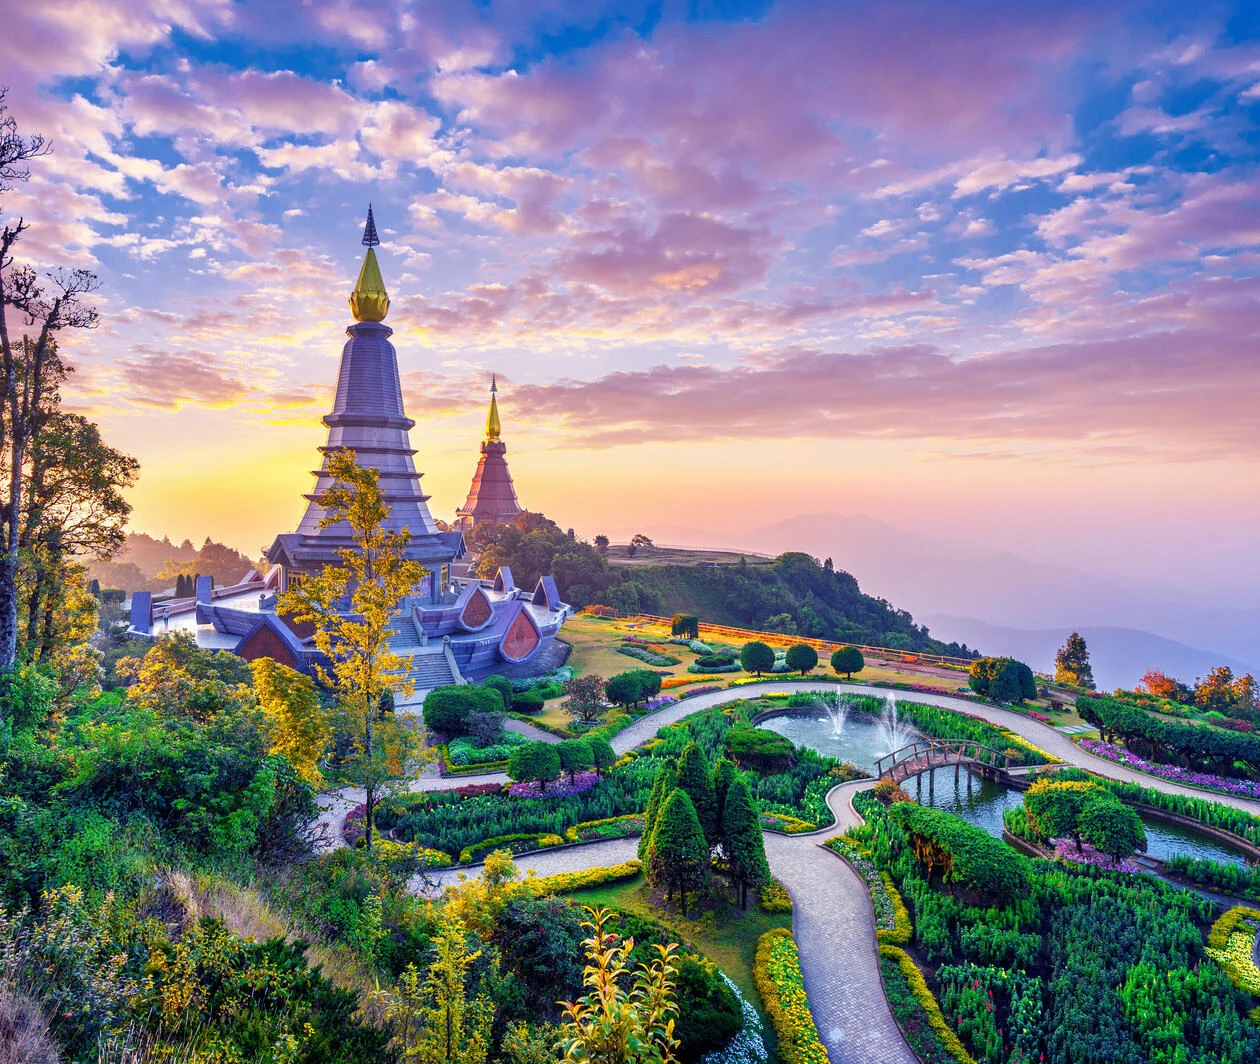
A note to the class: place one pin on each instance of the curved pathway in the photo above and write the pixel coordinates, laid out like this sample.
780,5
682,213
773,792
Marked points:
832,916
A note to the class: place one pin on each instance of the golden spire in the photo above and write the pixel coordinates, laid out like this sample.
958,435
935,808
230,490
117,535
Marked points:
369,301
492,422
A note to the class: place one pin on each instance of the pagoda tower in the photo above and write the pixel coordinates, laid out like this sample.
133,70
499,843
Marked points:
492,497
368,418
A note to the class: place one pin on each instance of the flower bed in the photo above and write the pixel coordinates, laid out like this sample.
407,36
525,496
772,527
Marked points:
693,691
749,1045
564,882
614,827
774,898
927,1002
777,970
465,751
1231,944
706,670
670,682
659,702
561,675
1066,850
789,825
564,788
513,843
892,920
648,657
1173,773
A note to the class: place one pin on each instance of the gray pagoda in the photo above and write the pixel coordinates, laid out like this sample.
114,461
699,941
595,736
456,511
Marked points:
492,496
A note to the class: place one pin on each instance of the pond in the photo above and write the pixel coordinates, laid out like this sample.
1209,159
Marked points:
864,739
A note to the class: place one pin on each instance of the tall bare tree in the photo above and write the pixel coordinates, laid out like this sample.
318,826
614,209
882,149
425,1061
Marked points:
40,308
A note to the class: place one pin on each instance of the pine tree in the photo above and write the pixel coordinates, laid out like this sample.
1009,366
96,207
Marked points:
666,781
695,776
742,841
1071,663
679,855
723,775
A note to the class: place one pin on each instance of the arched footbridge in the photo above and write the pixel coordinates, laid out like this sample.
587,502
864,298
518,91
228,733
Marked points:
925,755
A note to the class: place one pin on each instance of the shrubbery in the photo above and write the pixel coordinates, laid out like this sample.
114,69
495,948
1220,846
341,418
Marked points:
449,709
1002,679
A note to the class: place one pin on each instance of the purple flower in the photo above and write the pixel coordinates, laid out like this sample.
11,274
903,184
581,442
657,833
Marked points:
1172,773
1065,850
582,782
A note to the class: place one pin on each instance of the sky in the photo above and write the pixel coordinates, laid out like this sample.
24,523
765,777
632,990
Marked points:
983,270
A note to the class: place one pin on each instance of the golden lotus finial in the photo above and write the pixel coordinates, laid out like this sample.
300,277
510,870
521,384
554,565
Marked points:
369,301
492,421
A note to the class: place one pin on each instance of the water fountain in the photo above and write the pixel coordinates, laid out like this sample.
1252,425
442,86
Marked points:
837,713
891,730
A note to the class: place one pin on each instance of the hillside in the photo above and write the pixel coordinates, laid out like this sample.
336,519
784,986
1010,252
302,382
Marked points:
794,594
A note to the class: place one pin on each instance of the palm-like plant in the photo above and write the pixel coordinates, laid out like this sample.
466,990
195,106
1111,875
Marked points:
627,1016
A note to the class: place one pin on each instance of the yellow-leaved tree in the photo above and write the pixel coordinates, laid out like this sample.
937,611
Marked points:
297,723
351,606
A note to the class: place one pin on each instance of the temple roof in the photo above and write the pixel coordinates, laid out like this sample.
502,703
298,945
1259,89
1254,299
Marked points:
369,301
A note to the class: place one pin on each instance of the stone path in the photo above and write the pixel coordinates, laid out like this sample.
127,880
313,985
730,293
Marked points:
832,918
529,731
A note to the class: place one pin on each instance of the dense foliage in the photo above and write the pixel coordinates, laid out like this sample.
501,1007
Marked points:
1088,967
1002,679
1190,745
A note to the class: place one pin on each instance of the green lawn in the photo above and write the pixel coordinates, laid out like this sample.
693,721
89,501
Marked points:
730,943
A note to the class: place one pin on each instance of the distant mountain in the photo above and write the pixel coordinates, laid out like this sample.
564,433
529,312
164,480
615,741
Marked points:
934,575
1119,655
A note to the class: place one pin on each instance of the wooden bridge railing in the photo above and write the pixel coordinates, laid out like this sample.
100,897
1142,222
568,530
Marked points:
926,754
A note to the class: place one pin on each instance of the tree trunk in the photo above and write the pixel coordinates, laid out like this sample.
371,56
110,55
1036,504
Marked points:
367,761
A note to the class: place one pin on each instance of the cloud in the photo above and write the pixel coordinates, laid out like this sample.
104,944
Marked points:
1191,400
172,379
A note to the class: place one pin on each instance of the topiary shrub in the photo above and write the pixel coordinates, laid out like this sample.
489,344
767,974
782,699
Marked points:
528,702
448,709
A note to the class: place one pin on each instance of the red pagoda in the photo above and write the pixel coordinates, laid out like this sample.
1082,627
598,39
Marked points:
492,497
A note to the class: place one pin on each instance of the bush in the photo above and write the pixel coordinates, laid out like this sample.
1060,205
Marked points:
777,971
729,665
685,624
528,702
501,684
775,898
801,658
613,827
448,709
922,995
712,660
1002,679
465,751
709,1015
648,657
847,660
756,657
520,843
756,748
632,687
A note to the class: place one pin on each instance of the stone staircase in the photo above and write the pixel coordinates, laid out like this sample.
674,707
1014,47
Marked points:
429,667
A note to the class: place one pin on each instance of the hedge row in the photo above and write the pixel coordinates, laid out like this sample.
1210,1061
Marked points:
927,1002
1192,745
777,970
613,827
789,825
518,843
968,856
566,882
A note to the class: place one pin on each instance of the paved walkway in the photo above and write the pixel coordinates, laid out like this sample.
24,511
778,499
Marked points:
832,918
529,731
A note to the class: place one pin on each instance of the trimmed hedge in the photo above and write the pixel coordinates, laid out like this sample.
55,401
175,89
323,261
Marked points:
519,843
632,823
648,657
777,971
789,825
927,1002
1192,746
968,856
566,882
